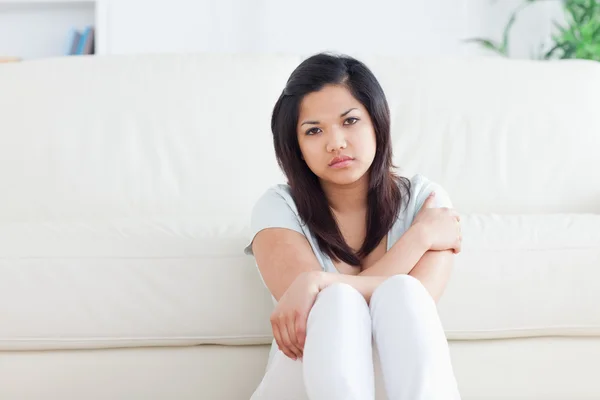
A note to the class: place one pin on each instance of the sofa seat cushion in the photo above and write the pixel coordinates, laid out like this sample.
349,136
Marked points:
525,275
127,283
173,281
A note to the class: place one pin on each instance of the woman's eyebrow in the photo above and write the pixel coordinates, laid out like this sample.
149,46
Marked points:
317,122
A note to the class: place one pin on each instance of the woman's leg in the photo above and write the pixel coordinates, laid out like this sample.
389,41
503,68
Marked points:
337,362
282,381
412,346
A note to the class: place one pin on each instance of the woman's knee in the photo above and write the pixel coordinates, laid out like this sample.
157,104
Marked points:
401,288
341,294
342,300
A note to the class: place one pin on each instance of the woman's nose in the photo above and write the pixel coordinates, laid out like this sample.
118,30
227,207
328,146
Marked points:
337,141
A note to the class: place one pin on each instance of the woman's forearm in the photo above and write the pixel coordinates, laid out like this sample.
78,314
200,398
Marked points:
365,285
434,270
400,259
402,256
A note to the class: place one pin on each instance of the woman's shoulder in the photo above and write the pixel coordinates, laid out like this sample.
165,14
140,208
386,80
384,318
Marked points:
276,203
277,195
275,208
420,188
419,182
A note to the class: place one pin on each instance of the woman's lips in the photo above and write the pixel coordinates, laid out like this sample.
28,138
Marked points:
342,164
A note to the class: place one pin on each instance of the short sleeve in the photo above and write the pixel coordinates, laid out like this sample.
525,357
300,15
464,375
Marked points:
272,210
422,187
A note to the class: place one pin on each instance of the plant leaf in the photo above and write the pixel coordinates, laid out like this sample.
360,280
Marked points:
568,52
550,52
488,44
511,22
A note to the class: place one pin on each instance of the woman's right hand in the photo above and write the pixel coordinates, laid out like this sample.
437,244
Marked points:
288,320
441,226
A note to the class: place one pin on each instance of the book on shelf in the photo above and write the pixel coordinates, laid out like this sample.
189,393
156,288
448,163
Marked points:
81,42
74,42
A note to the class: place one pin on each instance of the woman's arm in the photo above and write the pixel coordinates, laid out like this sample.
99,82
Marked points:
365,285
435,247
282,255
409,251
433,270
289,268
403,255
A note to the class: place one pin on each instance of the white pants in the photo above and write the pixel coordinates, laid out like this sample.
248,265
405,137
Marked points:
395,346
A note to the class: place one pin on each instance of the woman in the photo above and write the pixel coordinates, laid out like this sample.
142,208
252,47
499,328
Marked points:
354,255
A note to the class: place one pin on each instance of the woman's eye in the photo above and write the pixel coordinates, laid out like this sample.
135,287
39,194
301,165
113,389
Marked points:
312,131
351,120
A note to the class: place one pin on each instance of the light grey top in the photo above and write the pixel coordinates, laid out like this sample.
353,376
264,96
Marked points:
276,209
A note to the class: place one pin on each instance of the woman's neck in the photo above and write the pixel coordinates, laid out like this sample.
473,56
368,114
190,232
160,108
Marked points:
347,199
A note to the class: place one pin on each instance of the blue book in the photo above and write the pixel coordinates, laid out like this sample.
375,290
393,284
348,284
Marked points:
75,37
84,38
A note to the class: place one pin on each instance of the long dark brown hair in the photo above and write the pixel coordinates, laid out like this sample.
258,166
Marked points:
387,191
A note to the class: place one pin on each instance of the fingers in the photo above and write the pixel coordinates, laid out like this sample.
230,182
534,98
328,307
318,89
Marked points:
291,334
300,326
458,246
276,334
429,201
279,338
454,213
280,332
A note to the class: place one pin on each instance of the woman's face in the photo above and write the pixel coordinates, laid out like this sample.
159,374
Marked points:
333,126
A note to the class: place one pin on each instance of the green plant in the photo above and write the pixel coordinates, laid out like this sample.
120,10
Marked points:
579,38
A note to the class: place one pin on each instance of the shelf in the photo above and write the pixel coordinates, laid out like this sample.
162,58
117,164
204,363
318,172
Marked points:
34,2
32,29
16,5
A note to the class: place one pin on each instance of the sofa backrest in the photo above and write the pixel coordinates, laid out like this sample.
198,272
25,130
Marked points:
190,134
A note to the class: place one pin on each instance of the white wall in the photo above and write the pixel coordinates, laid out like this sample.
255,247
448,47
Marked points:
33,30
390,27
384,27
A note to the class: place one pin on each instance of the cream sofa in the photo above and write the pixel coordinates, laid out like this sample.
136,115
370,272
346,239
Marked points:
127,184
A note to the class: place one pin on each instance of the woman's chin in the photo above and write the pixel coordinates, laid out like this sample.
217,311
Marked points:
342,179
